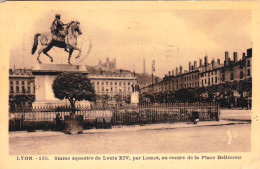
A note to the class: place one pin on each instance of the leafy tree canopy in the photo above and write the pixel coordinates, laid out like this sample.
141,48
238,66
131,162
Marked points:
74,87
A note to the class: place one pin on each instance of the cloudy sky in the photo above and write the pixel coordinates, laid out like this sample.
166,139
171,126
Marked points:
130,33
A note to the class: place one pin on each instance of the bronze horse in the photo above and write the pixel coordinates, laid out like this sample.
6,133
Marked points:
49,40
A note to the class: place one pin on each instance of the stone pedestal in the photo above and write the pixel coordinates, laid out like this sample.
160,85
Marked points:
45,74
135,98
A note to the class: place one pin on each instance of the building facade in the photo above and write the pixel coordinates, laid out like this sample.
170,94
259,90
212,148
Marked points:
205,74
113,85
21,82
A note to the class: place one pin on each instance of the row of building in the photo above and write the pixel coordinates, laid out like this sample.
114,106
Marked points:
205,74
22,81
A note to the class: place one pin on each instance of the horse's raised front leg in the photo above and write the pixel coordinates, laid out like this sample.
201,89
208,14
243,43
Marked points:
45,50
70,53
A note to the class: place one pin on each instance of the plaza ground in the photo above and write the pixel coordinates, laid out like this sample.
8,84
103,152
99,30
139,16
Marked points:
208,136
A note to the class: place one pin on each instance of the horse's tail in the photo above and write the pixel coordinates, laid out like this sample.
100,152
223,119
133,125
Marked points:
35,44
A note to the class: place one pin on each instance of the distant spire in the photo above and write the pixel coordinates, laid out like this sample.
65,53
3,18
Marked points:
134,69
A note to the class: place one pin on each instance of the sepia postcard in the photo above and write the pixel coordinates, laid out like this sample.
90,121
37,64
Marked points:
129,84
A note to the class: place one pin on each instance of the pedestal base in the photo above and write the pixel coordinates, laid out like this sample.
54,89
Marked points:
135,98
45,74
48,103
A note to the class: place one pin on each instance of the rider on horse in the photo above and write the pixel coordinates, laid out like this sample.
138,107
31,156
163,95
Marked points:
57,29
61,35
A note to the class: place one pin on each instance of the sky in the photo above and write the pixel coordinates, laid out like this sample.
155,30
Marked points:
170,36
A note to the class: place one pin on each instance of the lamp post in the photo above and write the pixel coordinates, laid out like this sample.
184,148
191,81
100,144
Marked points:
153,69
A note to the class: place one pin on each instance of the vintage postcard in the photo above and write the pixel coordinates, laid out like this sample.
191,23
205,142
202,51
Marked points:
129,84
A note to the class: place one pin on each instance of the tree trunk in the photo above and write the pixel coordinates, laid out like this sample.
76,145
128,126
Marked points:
73,108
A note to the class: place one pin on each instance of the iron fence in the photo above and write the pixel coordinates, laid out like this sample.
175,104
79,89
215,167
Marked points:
51,118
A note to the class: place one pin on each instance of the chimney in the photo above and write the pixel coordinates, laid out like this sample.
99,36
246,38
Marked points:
244,56
226,58
195,65
189,66
235,56
176,71
180,69
173,72
249,52
206,60
218,61
213,64
200,62
169,73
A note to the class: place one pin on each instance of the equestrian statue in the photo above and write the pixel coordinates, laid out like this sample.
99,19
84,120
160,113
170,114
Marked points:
61,35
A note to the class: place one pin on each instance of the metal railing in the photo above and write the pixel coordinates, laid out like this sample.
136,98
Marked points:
47,118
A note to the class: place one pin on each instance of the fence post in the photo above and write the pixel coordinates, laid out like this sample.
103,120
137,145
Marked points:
217,112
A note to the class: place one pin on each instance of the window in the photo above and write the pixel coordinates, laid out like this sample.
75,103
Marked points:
103,89
232,76
111,83
248,63
97,83
240,66
241,74
22,82
115,83
17,82
209,81
215,72
223,77
29,89
128,83
23,89
119,83
111,89
17,89
11,89
106,83
212,80
11,82
216,79
248,72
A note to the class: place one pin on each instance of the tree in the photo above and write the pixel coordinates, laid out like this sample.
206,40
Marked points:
20,100
74,87
187,95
